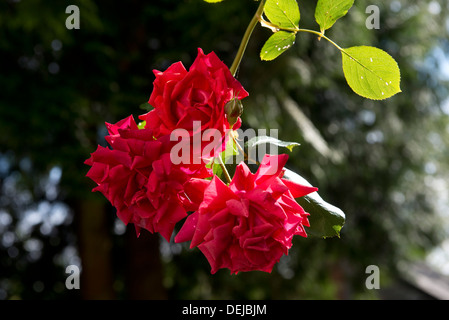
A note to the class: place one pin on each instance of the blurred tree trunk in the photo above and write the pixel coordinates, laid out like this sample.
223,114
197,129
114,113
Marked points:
144,268
338,271
95,250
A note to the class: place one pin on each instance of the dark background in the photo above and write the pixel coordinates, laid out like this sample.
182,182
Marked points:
383,162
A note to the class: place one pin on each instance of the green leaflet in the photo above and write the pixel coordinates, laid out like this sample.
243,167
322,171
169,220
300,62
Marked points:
325,219
277,44
226,155
141,125
329,11
283,13
266,139
146,106
371,72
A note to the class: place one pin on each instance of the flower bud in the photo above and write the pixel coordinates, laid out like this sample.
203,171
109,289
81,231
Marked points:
233,110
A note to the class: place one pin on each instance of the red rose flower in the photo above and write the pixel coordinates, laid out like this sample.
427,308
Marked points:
181,97
249,224
139,179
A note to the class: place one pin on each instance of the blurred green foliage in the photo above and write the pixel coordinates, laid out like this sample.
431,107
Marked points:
378,161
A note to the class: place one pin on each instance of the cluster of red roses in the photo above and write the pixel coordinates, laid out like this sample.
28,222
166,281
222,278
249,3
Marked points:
243,226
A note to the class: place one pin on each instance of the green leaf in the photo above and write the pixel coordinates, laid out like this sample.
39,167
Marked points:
277,44
283,13
325,219
329,11
371,72
230,148
230,151
141,124
216,169
213,1
253,142
146,106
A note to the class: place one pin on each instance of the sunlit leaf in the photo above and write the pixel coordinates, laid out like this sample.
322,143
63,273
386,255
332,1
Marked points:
371,72
329,11
259,140
283,13
230,151
277,44
141,125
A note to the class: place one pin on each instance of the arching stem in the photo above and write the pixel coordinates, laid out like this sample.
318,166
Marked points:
249,30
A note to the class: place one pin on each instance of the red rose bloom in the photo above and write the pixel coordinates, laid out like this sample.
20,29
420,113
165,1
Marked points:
139,179
249,224
181,97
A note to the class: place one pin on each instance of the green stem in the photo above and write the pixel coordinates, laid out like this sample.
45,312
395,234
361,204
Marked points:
276,28
245,156
249,30
321,35
223,168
